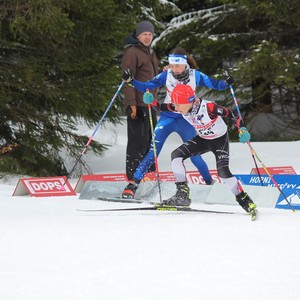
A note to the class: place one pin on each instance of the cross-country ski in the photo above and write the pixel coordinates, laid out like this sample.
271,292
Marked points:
159,208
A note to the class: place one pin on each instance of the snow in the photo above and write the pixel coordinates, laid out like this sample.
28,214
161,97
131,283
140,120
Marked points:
51,250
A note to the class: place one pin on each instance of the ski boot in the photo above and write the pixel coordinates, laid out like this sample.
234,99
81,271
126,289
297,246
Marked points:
130,190
211,182
247,204
181,198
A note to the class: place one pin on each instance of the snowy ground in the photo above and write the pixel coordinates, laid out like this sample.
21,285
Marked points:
50,250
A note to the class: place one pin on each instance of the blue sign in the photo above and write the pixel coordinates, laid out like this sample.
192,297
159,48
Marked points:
283,181
292,196
288,184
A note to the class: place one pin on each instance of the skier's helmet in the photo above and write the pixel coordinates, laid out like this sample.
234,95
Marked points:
182,94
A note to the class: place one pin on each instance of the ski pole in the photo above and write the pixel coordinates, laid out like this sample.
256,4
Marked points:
272,178
96,129
241,118
154,148
254,154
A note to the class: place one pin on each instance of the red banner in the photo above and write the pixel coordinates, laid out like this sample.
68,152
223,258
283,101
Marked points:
44,187
285,170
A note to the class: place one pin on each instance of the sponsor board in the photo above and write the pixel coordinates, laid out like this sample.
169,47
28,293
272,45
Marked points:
98,177
195,178
283,181
284,170
288,184
292,195
192,177
199,193
44,187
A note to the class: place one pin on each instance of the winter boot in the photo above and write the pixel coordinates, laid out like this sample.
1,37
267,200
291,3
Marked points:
130,190
245,202
181,198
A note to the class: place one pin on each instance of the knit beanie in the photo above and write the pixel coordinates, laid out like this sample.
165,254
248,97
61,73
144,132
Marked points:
144,26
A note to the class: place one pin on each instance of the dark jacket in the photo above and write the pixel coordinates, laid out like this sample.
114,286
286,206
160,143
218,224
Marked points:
143,62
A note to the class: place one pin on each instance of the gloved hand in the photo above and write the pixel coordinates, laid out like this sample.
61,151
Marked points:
244,135
148,97
229,80
128,75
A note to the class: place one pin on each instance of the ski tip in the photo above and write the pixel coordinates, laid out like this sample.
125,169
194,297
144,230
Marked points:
121,200
253,215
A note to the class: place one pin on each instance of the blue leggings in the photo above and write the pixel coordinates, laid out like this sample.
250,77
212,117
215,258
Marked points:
165,126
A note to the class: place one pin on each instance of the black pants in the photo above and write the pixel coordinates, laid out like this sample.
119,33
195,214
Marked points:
139,139
198,146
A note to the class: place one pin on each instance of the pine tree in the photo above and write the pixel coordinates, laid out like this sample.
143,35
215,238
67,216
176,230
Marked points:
257,41
57,67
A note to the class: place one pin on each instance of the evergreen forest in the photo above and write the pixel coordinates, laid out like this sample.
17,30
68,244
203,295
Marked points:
60,67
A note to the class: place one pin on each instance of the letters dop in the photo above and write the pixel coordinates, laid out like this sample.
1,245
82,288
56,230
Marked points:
46,186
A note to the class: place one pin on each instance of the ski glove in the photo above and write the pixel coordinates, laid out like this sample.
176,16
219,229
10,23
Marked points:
244,135
128,75
229,80
148,97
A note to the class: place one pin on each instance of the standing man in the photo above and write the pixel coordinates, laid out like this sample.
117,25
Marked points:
141,59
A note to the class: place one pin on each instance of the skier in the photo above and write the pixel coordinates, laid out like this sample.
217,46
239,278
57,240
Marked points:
179,72
212,135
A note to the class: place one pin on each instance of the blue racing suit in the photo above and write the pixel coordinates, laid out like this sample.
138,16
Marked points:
174,122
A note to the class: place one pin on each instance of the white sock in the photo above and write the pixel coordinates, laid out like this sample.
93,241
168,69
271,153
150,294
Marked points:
233,184
178,169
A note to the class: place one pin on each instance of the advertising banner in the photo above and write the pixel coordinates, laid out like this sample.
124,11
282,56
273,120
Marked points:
44,187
